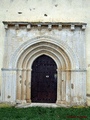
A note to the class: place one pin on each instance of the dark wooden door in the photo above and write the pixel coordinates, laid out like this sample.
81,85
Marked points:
44,80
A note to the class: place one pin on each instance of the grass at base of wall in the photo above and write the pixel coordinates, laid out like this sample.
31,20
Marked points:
40,113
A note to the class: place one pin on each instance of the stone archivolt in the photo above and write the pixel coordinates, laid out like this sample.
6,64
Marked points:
25,63
28,52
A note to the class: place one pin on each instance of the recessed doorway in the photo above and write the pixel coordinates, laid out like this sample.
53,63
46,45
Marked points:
44,80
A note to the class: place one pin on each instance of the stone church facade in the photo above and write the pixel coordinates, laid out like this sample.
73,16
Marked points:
44,60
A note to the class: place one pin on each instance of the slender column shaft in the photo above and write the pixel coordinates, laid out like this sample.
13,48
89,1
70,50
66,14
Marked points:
58,85
28,86
63,85
23,85
19,79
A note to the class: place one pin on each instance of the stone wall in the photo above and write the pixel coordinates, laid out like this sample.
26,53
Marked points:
46,11
64,42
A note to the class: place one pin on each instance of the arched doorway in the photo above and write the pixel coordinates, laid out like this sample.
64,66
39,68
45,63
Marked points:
44,80
62,73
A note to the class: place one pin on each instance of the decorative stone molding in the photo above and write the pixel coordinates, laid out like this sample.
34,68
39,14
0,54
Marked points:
41,39
60,27
28,27
16,26
49,27
51,50
83,27
46,24
6,26
39,27
72,27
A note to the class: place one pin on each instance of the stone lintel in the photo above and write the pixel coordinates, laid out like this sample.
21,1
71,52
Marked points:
49,25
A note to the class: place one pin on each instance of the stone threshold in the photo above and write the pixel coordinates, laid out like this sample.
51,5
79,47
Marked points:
53,105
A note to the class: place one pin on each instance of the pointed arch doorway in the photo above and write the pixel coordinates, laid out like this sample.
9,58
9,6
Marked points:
44,80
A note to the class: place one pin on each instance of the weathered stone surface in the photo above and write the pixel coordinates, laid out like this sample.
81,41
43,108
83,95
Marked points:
46,11
66,47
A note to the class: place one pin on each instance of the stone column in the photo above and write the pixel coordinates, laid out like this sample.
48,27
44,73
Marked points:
23,86
19,80
28,86
68,87
59,87
63,86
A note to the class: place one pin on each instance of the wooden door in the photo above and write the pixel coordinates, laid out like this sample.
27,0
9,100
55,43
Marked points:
44,80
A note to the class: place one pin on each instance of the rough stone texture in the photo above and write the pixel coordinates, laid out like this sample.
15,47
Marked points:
65,46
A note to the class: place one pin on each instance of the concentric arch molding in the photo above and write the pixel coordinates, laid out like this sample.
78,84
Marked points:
41,40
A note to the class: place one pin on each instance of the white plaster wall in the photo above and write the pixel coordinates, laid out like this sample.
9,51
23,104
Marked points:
56,10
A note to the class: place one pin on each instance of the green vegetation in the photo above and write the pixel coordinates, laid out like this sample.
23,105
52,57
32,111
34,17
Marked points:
40,113
5,105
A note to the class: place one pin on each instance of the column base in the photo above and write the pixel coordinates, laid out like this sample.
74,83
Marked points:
28,101
21,101
60,102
